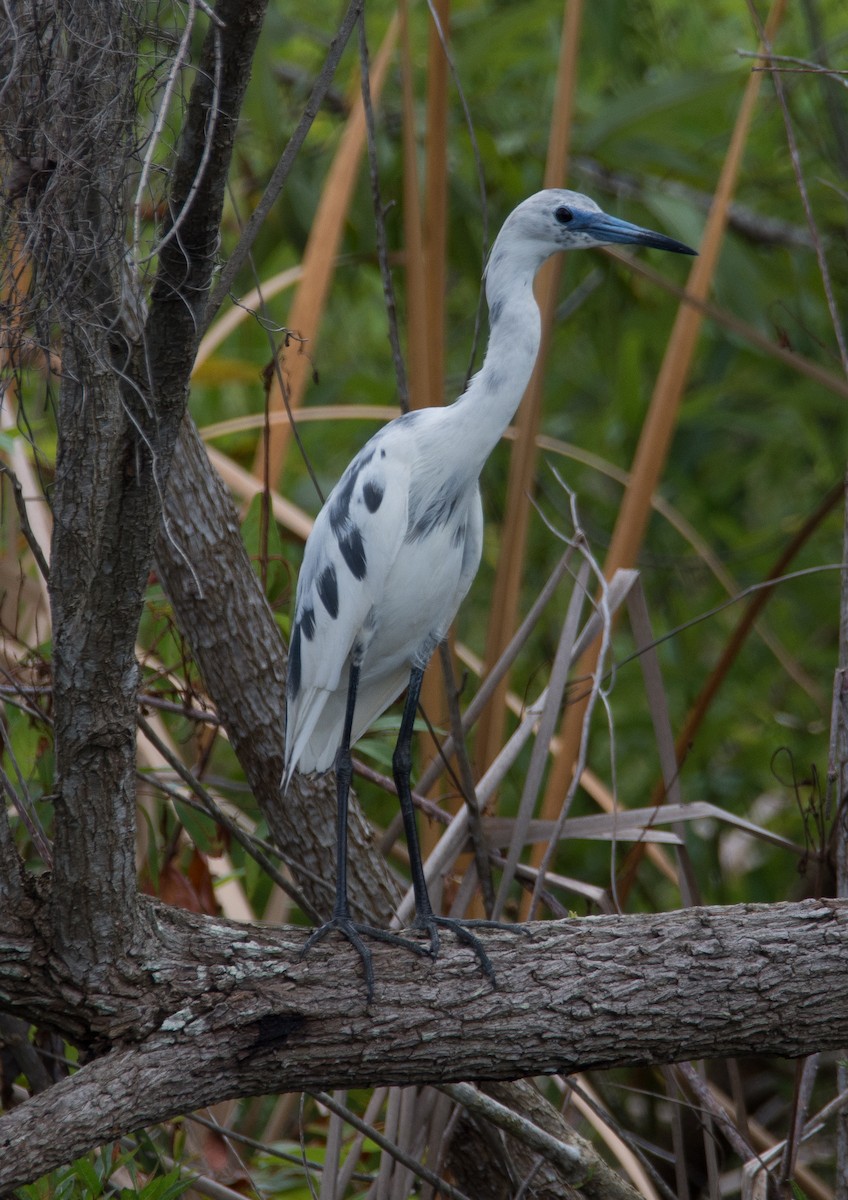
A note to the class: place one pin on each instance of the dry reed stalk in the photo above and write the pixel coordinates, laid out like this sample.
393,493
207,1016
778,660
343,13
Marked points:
425,236
660,422
304,318
420,393
522,468
697,713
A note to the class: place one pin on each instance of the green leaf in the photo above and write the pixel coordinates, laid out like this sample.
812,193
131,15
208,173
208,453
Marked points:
200,828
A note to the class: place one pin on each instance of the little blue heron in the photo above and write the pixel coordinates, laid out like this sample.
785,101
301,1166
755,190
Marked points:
398,542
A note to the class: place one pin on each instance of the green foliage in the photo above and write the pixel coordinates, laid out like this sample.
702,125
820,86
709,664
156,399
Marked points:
91,1177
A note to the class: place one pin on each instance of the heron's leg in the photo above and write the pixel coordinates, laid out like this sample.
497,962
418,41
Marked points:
344,774
341,919
425,918
402,770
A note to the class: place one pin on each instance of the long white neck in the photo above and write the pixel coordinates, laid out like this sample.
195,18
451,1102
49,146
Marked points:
488,405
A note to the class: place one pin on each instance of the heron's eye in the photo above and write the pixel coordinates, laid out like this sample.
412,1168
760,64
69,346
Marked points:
563,215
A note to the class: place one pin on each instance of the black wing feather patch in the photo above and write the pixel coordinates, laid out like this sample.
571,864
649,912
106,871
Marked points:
293,680
372,494
307,622
328,590
340,508
353,552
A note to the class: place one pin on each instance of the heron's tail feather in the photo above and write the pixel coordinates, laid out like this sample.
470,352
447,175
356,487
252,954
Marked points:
314,730
300,725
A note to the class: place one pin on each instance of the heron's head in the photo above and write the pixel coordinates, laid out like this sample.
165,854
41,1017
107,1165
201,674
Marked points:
560,220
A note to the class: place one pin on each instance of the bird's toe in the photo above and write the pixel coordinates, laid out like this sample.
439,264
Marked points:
432,924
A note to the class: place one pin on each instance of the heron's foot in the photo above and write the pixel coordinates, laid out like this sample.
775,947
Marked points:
355,931
463,931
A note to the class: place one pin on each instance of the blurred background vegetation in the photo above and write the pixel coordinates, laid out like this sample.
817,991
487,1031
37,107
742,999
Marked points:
755,463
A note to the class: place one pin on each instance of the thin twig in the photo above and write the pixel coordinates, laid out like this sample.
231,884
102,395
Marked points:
23,805
380,223
598,686
469,794
805,1077
500,668
574,1162
218,814
390,1147
751,590
348,1167
547,727
23,517
805,64
481,181
630,1141
269,327
838,807
201,715
795,157
693,1081
281,172
213,111
176,67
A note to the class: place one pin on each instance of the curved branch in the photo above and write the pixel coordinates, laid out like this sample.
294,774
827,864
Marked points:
196,201
230,1010
281,171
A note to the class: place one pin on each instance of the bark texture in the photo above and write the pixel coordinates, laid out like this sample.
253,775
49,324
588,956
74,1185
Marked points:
102,502
213,1009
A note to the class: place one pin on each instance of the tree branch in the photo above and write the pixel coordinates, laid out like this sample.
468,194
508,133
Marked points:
11,867
239,650
222,1010
281,171
187,260
575,1157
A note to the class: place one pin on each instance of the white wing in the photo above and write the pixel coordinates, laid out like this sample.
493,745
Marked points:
348,555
